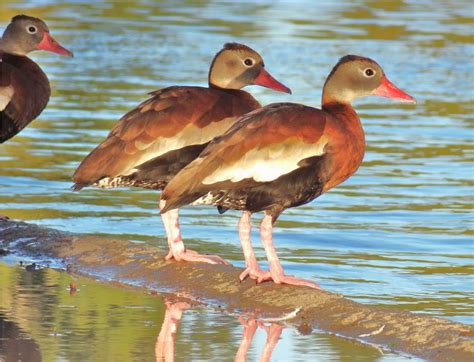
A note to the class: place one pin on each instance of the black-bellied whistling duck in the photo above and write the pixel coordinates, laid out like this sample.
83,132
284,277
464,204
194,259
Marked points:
283,155
151,143
24,88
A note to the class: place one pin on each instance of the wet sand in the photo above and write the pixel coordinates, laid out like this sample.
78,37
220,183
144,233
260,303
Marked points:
141,266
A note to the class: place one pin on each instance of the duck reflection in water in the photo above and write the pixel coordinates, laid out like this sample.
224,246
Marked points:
164,348
250,327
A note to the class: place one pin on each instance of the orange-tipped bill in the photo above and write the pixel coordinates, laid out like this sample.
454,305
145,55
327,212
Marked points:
266,80
389,90
49,44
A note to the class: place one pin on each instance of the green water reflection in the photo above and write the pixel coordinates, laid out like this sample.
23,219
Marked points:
41,319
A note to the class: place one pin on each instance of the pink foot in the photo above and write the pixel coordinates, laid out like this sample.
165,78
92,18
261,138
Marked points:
263,276
194,256
251,323
254,273
288,279
176,245
175,309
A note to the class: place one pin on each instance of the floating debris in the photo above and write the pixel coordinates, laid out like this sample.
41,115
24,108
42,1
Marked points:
283,318
373,333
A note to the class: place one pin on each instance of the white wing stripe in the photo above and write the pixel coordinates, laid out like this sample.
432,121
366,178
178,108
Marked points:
6,94
190,135
268,163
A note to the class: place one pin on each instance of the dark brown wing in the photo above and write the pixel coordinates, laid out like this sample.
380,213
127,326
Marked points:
173,118
24,82
261,147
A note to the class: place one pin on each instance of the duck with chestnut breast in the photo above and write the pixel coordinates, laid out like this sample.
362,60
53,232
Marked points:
151,143
24,88
283,155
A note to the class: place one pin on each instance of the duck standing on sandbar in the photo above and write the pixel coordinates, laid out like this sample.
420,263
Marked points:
283,155
151,143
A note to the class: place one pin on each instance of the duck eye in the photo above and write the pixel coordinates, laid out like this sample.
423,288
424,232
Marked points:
248,62
31,29
369,72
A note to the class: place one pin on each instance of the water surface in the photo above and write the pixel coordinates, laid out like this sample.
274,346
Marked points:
397,233
42,319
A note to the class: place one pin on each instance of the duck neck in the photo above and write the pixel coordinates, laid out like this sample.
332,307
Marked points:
8,46
337,100
216,81
212,85
342,111
226,90
347,118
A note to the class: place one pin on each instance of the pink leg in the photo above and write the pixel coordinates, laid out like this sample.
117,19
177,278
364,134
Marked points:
250,326
273,335
169,237
252,269
164,347
175,242
276,271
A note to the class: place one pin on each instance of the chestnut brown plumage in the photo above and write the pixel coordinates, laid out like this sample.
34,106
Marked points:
24,88
172,119
283,155
151,143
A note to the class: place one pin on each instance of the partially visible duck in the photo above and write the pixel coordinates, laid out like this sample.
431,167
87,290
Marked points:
151,143
283,155
24,88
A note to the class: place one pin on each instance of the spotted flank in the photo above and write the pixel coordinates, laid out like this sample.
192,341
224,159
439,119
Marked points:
222,199
208,199
129,181
111,182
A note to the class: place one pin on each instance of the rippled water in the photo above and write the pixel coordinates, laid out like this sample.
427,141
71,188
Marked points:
399,232
41,319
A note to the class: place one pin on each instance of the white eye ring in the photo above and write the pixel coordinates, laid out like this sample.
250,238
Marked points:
31,29
249,62
368,72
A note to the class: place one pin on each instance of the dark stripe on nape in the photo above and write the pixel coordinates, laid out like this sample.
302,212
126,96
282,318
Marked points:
237,46
350,58
22,17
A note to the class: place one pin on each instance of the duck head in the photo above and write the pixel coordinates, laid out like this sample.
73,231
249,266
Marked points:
25,34
237,66
355,76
